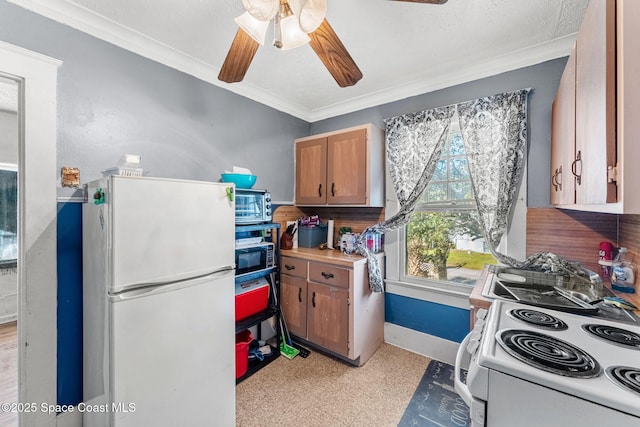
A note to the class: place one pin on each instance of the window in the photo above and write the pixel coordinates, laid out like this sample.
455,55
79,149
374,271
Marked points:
8,215
443,240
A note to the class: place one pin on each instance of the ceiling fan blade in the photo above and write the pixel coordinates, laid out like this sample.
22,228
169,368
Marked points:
425,1
239,57
334,55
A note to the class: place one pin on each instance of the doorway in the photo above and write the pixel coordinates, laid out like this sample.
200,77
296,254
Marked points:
9,143
35,79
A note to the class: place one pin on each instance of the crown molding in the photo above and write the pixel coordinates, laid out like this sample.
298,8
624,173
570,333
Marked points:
533,55
89,22
110,31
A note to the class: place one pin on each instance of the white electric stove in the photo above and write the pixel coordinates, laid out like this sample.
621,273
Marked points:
529,366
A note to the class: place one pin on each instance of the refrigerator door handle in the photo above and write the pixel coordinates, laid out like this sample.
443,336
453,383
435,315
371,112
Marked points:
144,289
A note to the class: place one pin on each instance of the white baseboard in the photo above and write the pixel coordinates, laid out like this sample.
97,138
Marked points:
421,343
69,419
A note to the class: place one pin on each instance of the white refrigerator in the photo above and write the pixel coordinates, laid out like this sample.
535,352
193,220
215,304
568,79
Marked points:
158,303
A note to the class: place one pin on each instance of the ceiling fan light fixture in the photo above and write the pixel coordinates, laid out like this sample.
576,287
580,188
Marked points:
263,10
310,13
288,32
296,22
255,28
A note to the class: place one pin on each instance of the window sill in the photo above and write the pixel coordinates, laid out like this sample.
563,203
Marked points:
454,297
10,263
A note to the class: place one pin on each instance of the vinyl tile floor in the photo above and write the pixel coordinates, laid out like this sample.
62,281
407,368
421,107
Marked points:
322,391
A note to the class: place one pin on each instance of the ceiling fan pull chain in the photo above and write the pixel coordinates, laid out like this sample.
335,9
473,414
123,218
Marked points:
277,32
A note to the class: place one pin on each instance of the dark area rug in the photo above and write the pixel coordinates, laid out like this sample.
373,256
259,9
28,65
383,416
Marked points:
435,401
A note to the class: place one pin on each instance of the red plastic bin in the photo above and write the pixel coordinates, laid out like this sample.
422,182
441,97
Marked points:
243,339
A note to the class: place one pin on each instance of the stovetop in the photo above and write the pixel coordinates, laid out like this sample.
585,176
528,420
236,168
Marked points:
564,339
591,294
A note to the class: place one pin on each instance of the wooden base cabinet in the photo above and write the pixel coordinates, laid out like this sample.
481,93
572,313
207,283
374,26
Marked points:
328,317
293,300
329,304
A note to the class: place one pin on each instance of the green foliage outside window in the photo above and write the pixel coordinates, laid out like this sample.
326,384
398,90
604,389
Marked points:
431,238
446,212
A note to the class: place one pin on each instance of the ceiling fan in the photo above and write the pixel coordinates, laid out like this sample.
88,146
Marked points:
296,22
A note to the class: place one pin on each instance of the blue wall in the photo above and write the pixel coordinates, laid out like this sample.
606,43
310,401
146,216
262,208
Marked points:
443,321
69,303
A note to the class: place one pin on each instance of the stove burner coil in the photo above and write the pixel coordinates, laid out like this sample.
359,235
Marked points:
538,318
624,376
548,353
615,335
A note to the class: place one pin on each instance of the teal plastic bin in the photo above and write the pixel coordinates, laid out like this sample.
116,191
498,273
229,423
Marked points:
312,236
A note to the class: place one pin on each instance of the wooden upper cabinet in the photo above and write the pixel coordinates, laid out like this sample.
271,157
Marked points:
563,136
628,105
311,172
596,104
607,108
341,168
347,168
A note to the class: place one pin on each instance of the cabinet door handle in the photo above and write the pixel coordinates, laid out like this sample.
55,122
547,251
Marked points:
299,294
327,275
290,267
574,168
556,179
333,189
319,190
313,300
559,178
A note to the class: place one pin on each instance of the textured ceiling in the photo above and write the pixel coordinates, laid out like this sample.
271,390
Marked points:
403,49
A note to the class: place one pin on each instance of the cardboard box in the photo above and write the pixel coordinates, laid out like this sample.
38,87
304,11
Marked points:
251,297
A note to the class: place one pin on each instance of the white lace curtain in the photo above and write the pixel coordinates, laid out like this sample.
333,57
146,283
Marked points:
494,130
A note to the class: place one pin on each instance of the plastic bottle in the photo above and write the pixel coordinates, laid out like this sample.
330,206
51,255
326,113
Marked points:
623,274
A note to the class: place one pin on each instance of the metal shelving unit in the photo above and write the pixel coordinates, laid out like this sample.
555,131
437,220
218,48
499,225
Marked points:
273,310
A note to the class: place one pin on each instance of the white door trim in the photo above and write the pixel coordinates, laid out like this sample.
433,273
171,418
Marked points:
36,75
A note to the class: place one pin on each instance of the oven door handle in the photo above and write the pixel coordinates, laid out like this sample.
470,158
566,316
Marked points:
461,387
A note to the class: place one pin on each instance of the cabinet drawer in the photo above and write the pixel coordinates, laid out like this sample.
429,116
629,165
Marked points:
294,267
328,274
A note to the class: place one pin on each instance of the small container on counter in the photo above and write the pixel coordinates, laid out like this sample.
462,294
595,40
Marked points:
623,273
374,241
605,256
